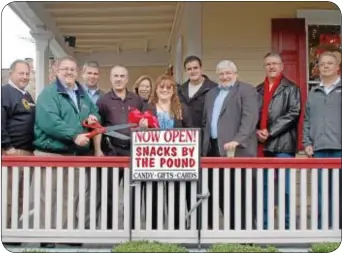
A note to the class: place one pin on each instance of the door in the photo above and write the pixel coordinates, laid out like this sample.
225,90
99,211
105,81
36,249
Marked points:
289,39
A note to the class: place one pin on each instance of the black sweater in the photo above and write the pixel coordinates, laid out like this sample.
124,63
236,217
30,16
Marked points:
17,119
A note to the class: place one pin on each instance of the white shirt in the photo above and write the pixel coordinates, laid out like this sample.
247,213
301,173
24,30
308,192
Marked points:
193,89
16,87
329,89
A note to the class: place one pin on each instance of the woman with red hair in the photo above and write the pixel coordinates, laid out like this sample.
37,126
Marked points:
165,105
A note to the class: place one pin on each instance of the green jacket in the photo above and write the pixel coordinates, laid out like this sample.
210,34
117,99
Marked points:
58,120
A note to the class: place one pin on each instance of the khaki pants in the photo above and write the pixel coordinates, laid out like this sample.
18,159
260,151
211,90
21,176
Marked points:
19,152
53,196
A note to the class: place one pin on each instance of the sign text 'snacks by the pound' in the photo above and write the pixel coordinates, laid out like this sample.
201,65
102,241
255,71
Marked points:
165,154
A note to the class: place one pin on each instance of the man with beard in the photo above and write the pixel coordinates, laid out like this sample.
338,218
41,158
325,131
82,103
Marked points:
230,117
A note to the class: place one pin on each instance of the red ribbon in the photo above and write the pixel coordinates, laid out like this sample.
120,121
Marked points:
134,116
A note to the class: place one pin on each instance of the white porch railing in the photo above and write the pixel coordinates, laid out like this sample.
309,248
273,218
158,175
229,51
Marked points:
54,193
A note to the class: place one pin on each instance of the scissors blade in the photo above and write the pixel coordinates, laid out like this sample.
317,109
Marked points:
118,127
118,135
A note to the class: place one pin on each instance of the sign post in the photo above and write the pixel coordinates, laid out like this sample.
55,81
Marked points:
165,155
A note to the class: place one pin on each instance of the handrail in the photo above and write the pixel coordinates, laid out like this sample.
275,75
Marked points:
206,162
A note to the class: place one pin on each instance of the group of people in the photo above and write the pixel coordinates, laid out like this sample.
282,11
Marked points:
252,120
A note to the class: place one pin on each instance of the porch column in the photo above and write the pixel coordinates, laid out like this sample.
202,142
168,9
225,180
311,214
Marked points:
42,39
193,18
188,36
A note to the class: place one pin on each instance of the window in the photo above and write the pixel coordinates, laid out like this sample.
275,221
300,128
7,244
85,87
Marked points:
320,39
323,32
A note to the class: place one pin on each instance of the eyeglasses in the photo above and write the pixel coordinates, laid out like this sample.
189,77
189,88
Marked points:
272,64
167,87
322,64
226,73
68,70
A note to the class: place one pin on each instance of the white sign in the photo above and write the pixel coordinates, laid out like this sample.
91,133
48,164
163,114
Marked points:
165,154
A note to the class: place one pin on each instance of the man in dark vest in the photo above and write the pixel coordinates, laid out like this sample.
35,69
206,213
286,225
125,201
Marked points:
17,121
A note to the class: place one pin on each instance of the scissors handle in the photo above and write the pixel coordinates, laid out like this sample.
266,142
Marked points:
95,132
97,128
93,125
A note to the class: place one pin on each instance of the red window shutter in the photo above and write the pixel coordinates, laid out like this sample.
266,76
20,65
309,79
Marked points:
289,39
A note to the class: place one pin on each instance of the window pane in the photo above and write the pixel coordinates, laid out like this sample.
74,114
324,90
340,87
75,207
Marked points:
320,39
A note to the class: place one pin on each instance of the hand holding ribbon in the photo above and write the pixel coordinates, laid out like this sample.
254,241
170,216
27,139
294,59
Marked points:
135,116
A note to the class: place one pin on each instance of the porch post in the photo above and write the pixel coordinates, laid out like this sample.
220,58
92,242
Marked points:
193,17
189,36
42,39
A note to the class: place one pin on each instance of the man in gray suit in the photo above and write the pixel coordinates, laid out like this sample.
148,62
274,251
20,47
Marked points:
231,113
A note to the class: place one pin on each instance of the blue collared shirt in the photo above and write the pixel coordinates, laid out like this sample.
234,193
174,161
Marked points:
72,94
222,94
94,94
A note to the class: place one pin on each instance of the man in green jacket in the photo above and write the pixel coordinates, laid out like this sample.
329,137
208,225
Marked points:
60,110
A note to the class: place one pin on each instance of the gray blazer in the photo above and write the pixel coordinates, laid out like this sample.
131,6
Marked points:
237,121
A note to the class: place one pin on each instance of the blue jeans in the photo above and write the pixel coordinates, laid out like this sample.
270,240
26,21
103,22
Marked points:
326,154
287,188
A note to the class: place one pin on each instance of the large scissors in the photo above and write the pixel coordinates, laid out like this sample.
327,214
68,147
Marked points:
110,130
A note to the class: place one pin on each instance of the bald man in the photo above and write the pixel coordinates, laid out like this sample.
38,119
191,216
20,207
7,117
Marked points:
114,108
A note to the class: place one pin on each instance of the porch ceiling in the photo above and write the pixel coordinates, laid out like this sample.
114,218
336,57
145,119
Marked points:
114,26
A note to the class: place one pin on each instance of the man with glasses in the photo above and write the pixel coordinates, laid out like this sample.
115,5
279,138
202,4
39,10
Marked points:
322,126
58,130
278,123
230,116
